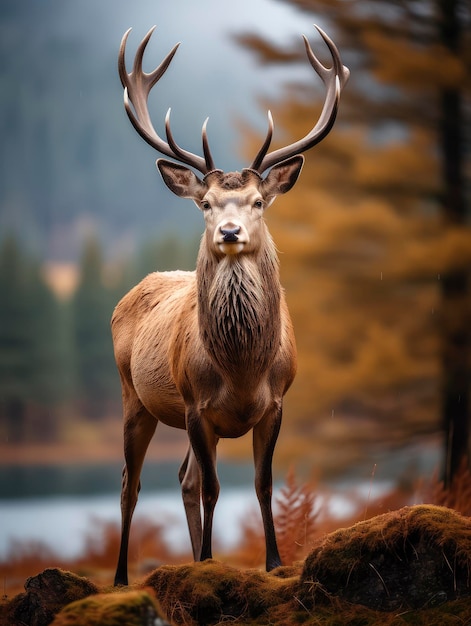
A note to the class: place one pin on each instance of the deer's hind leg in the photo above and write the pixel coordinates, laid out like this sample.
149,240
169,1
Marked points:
139,428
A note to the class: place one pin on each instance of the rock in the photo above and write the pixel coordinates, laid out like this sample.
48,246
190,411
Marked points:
413,558
45,595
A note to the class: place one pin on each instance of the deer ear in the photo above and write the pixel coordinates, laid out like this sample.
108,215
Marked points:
179,179
282,177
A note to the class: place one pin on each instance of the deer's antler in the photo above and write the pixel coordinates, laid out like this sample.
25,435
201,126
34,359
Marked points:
137,85
334,78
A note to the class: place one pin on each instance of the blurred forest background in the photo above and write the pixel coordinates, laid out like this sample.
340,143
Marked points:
375,239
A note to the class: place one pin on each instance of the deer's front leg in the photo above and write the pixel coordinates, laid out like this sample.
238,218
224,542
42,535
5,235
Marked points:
190,481
203,442
139,428
265,435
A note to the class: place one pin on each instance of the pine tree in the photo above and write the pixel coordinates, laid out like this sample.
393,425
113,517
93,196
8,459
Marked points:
378,253
15,340
32,372
91,311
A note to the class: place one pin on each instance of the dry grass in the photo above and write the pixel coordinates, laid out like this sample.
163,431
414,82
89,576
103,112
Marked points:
458,495
22,561
214,592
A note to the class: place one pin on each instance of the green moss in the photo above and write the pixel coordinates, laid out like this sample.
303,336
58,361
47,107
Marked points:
133,608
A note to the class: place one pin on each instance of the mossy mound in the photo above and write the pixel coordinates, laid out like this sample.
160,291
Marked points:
416,557
211,592
132,608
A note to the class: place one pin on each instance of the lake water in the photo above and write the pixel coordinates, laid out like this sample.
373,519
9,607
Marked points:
59,506
62,523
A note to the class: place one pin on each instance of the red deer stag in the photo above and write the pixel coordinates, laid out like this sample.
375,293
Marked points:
211,351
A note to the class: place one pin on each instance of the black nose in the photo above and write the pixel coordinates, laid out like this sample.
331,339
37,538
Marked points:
230,234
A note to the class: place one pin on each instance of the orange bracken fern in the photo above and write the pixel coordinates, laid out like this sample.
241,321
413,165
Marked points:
295,519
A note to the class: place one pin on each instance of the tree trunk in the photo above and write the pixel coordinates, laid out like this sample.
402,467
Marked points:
455,320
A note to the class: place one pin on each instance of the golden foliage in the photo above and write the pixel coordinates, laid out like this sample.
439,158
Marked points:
404,63
363,248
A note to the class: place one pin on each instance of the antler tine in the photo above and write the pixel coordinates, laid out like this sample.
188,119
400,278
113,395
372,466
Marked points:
340,70
206,151
266,144
180,153
137,65
137,85
334,78
123,75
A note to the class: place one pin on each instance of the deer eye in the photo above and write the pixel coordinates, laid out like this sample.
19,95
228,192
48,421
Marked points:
205,205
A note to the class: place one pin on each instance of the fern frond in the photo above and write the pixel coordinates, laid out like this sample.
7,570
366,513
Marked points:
295,519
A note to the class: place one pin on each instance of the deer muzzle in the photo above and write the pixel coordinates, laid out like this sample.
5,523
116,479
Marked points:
230,235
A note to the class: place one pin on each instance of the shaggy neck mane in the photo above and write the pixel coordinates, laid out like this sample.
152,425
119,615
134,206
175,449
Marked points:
239,310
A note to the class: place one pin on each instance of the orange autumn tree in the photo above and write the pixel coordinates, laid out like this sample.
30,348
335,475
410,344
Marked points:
365,247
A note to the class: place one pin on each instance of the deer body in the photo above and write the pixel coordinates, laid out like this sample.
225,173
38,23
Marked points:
211,351
172,352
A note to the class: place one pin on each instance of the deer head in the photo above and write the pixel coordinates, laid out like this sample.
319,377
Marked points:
231,203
